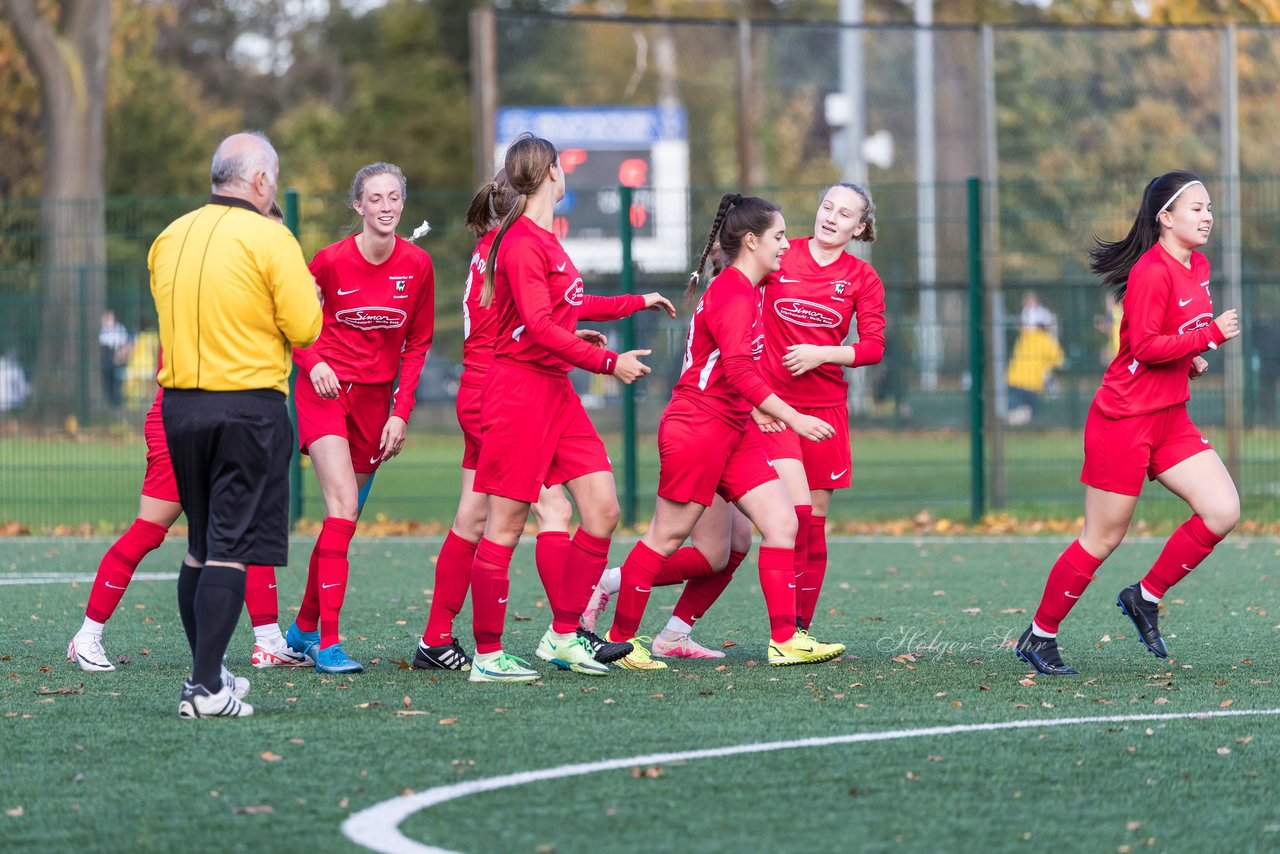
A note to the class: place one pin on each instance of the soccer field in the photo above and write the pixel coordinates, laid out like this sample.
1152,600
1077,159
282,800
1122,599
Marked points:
928,735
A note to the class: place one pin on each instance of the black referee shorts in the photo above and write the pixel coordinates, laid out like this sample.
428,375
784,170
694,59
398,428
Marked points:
230,452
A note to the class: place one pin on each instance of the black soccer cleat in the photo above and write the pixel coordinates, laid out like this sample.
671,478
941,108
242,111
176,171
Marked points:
446,657
1042,654
602,650
1145,616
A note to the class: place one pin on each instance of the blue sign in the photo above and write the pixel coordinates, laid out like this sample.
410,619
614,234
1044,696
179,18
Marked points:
593,127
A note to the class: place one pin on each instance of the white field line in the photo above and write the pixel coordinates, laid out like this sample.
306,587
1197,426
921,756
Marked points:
378,827
12,579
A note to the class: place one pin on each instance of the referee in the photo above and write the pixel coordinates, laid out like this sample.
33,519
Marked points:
233,296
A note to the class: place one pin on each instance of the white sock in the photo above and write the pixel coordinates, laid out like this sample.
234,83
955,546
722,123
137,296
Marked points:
92,627
1036,630
1145,595
269,632
611,581
677,626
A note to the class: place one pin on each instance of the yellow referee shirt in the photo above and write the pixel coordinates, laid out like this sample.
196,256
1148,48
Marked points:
233,295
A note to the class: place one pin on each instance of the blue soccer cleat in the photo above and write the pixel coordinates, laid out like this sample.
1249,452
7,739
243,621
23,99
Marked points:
332,659
303,643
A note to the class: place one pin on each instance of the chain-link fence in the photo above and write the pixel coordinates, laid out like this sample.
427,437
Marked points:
1064,126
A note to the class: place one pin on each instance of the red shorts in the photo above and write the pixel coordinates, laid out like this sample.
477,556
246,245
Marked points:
358,414
158,481
1119,451
535,432
827,464
702,456
468,407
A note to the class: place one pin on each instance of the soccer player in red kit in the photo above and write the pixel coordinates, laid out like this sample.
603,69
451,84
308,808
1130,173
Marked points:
706,444
438,649
809,306
158,509
378,292
1138,424
535,430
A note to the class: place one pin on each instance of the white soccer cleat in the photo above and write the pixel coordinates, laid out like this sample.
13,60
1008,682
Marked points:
86,651
198,702
278,653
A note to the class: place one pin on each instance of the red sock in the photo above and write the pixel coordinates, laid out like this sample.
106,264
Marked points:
453,577
1067,581
804,512
687,563
1188,545
489,587
815,569
260,595
551,554
332,568
639,570
701,593
308,619
117,566
588,555
778,582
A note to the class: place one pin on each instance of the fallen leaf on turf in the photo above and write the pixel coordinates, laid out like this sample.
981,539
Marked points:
1014,611
1225,704
520,618
375,661
404,713
1133,825
751,662
984,688
44,668
722,667
912,775
652,772
297,741
271,757
724,645
608,701
254,810
1223,751
1245,740
344,803
933,757
402,664
657,696
406,702
123,659
955,704
16,812
1030,683
43,692
448,721
146,651
499,710
1160,700
402,622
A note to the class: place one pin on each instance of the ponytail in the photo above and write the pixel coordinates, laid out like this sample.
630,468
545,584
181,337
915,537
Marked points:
736,217
490,204
527,161
517,211
726,201
1113,260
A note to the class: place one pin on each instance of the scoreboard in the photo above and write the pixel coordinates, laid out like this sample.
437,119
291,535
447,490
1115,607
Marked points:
602,149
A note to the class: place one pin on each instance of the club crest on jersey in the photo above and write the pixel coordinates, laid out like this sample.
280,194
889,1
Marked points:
573,294
840,286
401,282
372,317
805,313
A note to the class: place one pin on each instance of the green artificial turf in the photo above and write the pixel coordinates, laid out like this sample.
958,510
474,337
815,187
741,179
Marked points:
112,768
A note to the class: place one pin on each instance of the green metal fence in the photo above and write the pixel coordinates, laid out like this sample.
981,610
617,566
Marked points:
925,436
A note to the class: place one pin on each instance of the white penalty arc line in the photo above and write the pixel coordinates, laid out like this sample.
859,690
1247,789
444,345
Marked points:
378,827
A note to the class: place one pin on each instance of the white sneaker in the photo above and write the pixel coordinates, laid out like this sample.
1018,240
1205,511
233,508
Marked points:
86,651
595,607
198,702
277,653
239,684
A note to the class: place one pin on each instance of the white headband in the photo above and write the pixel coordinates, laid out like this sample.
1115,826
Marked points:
1175,196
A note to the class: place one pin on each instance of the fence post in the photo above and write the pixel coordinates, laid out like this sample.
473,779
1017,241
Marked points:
295,459
625,282
977,356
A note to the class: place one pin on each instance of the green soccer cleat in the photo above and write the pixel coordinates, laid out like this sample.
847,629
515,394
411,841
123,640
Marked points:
570,652
500,667
801,649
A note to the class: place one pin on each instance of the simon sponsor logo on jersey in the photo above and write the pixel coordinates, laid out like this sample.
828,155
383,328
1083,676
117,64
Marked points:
573,294
372,317
804,313
1200,321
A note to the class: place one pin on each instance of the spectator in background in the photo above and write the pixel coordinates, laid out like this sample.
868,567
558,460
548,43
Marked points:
1036,313
13,383
113,352
1036,355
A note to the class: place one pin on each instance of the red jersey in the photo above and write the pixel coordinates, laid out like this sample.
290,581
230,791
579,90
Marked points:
480,324
378,318
806,303
538,298
725,340
1167,322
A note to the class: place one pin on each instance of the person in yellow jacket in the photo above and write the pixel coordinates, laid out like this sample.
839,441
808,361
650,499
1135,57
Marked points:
1036,355
233,297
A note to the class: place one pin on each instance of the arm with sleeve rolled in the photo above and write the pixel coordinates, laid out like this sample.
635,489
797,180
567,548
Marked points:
1146,301
526,271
